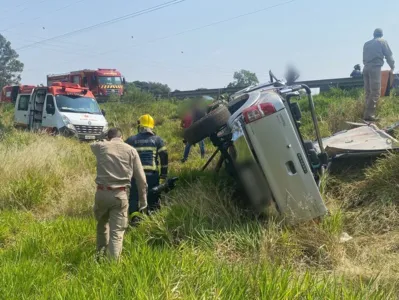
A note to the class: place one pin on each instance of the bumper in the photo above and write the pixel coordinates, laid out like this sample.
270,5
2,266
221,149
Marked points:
102,99
65,131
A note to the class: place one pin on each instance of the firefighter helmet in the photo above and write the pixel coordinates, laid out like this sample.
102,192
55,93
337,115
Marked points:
146,121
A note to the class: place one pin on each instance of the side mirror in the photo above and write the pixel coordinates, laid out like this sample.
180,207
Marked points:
103,112
93,78
51,110
123,80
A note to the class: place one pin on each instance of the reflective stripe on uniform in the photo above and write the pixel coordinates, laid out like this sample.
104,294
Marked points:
162,149
139,148
150,168
153,149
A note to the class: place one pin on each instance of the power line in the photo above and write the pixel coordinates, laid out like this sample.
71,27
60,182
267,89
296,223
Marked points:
199,28
122,18
22,10
40,17
185,31
16,6
207,25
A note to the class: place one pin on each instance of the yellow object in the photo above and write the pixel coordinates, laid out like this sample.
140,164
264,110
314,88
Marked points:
146,121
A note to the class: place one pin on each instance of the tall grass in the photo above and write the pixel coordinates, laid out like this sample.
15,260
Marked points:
202,244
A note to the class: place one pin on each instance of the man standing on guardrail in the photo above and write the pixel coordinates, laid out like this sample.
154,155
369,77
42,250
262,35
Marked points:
374,52
357,71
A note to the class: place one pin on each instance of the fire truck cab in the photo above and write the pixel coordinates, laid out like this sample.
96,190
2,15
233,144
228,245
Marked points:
10,93
102,82
63,108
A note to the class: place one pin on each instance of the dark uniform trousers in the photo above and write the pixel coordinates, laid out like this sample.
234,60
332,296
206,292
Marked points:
153,199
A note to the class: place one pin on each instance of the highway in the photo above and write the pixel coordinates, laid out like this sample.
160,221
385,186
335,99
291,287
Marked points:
323,84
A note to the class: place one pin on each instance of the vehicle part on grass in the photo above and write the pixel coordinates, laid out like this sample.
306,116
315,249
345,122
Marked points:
207,125
365,141
345,237
391,128
210,160
165,187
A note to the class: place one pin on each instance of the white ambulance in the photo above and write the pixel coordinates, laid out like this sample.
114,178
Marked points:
63,108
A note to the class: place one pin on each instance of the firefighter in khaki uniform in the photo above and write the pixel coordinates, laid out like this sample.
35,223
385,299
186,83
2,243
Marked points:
117,163
150,147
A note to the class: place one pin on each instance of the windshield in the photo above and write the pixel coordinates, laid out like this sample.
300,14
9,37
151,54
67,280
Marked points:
109,80
77,104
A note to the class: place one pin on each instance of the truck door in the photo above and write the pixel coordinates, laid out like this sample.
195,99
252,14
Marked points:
49,120
21,115
14,93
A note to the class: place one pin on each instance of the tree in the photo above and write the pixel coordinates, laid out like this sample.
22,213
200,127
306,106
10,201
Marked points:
10,66
243,79
155,88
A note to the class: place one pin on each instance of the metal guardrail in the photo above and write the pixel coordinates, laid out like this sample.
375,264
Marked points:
323,84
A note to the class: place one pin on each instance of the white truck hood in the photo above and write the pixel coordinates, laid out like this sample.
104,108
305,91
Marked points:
85,119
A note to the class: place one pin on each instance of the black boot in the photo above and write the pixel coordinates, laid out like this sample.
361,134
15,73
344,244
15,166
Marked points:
134,221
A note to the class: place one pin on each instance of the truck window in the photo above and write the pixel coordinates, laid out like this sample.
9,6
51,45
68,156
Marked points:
76,79
23,103
109,80
50,104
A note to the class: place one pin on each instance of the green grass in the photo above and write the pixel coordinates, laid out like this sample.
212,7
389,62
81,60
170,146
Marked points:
201,245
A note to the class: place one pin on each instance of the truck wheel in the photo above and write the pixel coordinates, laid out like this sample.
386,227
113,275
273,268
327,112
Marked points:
207,125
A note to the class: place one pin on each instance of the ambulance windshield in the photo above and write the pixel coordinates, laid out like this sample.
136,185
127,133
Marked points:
77,104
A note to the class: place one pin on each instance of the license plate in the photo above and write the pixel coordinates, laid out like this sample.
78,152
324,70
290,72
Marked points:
90,137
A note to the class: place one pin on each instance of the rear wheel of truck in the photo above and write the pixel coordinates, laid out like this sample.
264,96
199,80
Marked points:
207,125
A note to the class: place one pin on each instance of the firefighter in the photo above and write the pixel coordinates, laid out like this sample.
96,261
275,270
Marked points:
117,163
374,52
150,147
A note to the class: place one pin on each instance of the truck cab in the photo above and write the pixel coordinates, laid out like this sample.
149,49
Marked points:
9,93
63,108
103,83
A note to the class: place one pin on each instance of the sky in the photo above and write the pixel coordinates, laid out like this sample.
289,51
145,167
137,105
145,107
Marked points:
322,38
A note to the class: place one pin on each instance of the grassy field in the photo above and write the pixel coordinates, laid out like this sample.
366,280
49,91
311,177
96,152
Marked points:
200,245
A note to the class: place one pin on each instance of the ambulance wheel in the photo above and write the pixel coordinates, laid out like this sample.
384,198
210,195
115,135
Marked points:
207,125
55,131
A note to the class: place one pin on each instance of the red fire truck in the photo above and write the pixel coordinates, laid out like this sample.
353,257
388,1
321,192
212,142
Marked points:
9,93
102,82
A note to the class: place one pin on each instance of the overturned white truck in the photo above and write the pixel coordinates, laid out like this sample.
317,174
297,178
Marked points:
258,135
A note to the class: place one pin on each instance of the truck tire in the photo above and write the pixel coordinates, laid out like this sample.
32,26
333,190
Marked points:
207,125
